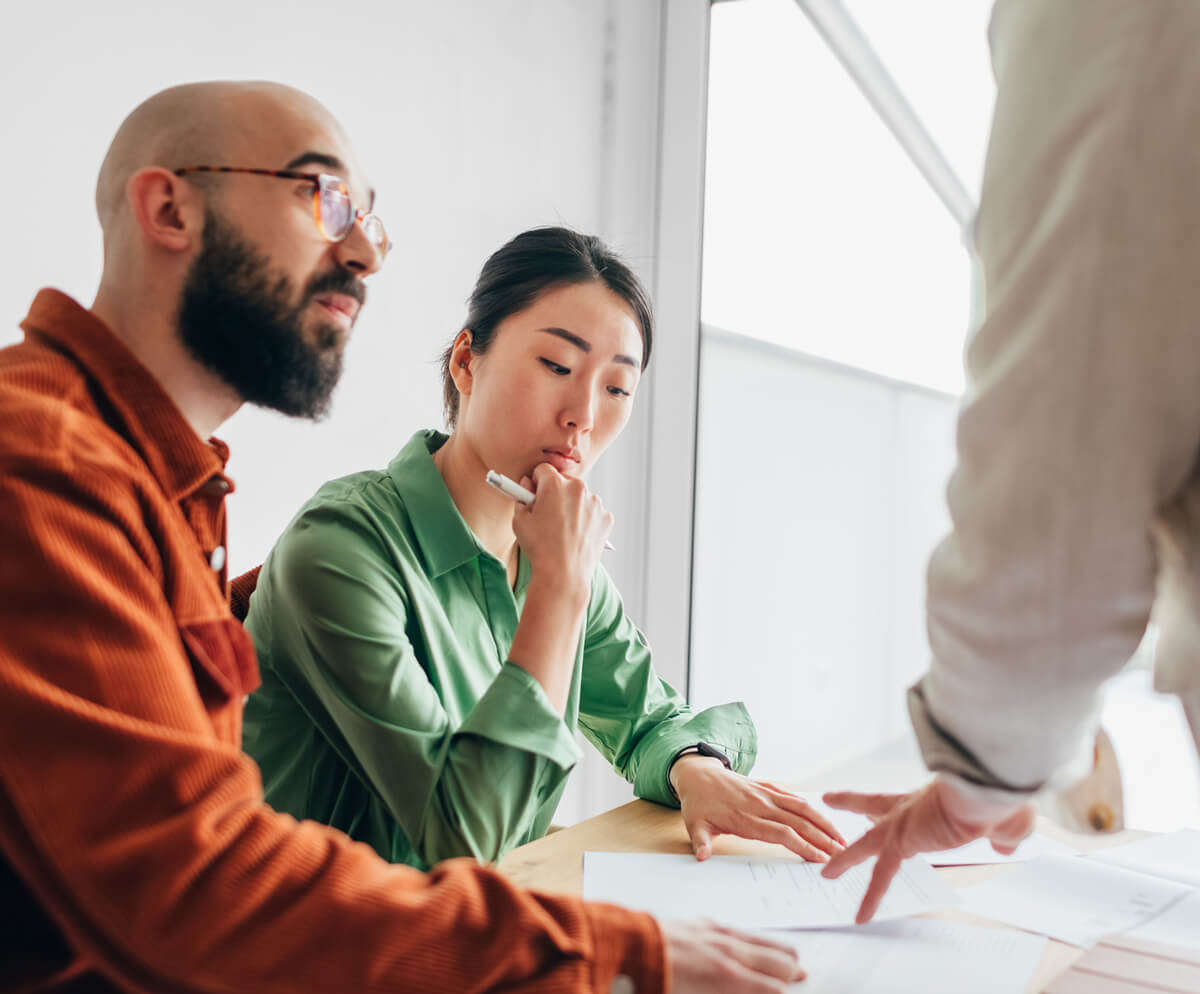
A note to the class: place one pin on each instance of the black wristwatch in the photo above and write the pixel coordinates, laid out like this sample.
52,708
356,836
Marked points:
699,749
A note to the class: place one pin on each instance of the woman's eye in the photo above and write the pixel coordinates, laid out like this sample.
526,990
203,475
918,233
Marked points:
555,368
618,392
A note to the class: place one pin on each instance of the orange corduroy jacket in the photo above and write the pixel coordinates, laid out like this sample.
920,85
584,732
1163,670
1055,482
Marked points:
136,853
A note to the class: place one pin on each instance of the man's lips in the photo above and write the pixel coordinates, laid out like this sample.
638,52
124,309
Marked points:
340,305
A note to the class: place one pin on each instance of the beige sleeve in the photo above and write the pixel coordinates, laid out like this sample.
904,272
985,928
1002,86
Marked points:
1081,421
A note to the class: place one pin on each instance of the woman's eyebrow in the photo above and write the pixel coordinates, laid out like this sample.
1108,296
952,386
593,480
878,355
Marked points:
585,346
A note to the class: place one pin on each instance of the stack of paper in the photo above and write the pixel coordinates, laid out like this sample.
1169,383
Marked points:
1147,886
1078,901
754,893
1175,856
909,956
916,956
1178,925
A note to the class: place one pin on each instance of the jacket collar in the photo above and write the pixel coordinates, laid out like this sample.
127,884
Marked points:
138,407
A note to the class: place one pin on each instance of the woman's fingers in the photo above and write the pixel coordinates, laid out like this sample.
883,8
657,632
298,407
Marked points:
800,807
701,841
784,835
800,816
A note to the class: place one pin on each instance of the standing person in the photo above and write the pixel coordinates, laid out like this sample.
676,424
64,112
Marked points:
136,853
1077,490
429,648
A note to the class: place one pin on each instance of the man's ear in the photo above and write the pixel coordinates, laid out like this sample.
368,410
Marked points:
461,358
168,211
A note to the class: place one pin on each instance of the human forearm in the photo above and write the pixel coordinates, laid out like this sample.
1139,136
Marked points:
547,638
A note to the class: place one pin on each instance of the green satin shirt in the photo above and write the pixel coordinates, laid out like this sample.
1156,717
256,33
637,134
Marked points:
388,708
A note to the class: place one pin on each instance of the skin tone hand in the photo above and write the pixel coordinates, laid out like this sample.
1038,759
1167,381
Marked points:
562,534
703,958
933,818
564,529
716,801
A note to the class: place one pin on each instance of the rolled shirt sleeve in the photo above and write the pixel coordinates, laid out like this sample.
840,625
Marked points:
635,718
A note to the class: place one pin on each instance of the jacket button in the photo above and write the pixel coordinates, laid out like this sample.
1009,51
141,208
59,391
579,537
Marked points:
1100,817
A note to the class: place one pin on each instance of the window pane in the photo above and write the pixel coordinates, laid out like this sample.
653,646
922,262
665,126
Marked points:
820,234
937,52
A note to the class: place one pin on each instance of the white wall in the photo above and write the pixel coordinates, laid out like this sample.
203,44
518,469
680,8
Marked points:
474,121
819,496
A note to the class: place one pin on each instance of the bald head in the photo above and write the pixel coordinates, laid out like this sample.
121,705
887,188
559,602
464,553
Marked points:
218,123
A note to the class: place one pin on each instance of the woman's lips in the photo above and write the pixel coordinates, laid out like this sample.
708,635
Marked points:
561,459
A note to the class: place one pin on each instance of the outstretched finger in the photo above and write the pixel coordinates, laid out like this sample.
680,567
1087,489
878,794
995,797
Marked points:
858,852
886,868
871,805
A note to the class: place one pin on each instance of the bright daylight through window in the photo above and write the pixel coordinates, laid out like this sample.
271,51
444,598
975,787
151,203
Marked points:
820,234
836,302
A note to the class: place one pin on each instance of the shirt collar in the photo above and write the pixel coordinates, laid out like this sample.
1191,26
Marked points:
446,540
138,407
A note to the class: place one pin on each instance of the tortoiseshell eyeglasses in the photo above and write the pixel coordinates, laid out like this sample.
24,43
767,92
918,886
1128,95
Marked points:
332,210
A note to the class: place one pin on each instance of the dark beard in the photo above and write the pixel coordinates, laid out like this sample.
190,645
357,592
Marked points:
238,320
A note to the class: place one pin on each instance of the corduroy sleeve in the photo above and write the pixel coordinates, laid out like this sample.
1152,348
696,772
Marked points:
145,837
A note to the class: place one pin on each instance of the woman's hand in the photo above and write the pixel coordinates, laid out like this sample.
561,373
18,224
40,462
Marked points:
562,533
717,801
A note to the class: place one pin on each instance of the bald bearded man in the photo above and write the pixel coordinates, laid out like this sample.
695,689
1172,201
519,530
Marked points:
136,853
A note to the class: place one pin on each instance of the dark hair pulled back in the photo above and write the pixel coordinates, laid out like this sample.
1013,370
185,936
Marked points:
535,261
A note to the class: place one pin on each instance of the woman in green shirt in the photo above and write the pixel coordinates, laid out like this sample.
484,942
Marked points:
429,648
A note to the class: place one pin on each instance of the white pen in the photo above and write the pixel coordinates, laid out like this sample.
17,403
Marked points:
519,493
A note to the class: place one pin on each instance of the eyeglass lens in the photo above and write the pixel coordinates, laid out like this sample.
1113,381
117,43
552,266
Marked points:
337,215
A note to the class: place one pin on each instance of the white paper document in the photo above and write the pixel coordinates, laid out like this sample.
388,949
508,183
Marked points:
980,852
754,893
1076,900
1175,856
916,956
975,853
1178,925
